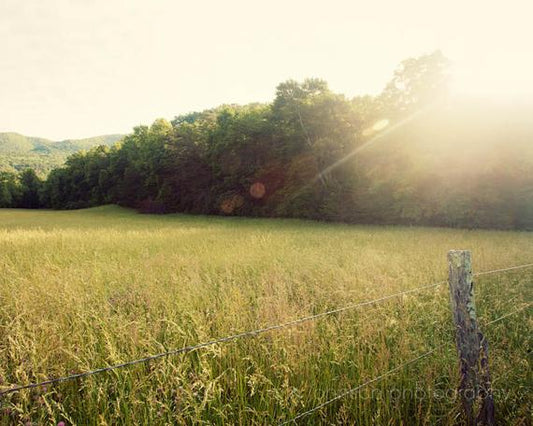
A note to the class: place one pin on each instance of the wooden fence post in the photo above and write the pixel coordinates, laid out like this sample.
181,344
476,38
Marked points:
474,385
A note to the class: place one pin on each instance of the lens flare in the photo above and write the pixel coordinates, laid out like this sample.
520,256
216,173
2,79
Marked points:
380,125
257,190
231,203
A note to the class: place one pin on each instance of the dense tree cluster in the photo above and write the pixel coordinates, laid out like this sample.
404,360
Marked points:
409,156
24,190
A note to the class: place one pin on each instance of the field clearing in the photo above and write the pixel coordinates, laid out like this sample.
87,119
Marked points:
90,288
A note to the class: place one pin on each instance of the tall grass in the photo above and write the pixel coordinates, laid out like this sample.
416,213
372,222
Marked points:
91,288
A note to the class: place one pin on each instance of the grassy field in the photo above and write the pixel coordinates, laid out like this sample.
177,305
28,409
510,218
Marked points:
90,288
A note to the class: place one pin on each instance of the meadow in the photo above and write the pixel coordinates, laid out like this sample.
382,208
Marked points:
90,288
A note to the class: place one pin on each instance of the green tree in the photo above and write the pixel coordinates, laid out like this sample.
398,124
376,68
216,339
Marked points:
31,187
416,83
9,190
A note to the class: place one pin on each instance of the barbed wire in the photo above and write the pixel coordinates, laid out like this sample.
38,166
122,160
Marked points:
353,390
388,373
233,337
527,305
226,339
512,268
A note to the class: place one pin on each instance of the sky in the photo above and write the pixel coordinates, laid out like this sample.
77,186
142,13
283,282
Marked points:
80,68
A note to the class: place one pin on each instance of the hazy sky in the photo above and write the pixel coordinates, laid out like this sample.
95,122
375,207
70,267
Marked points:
78,68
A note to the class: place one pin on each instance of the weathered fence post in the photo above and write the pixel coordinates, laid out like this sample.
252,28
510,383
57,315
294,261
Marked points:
474,385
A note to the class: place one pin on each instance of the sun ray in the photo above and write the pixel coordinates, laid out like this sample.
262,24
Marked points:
376,138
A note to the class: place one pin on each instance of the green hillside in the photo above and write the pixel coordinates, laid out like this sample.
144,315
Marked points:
19,152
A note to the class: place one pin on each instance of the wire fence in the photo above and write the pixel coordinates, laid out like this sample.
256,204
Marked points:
388,373
253,333
226,339
496,271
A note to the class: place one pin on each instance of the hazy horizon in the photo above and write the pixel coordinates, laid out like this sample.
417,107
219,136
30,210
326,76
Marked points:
77,69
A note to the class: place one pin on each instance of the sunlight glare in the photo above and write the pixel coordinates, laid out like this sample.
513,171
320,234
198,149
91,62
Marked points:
380,125
494,76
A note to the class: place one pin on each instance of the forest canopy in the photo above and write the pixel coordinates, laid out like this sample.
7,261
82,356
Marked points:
410,155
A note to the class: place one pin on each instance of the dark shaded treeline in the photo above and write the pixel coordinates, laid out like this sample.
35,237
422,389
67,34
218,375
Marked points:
420,159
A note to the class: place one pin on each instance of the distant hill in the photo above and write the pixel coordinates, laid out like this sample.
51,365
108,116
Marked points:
18,152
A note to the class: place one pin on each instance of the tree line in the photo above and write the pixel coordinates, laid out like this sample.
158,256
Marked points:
399,157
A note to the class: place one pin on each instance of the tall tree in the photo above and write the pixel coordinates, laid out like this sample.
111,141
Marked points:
416,83
9,190
31,187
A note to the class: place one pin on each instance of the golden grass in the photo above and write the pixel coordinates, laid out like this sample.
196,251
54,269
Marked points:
95,287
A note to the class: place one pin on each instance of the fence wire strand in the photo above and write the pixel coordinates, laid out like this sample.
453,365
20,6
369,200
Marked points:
233,337
495,271
226,339
353,390
527,305
388,373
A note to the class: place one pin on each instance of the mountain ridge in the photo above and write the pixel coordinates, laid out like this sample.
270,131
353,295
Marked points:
19,152
14,142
